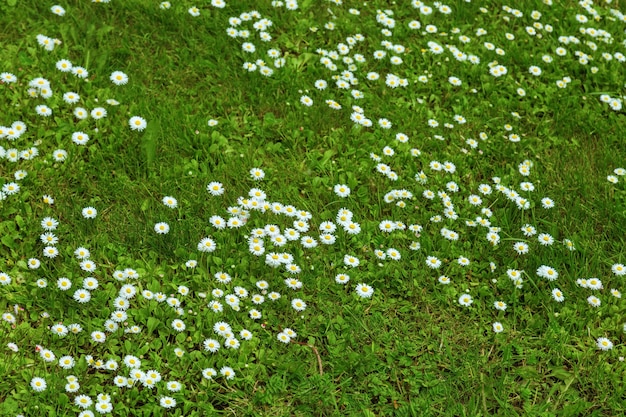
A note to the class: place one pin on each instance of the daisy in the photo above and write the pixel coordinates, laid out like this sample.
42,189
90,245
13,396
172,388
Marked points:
64,284
98,337
500,305
7,77
444,280
71,97
364,290
241,292
520,247
484,189
118,78
547,203
207,245
298,304
211,345
215,188
64,65
98,113
127,291
47,355
82,296
557,295
321,84
301,226
170,202
433,262
72,387
547,272
257,174
232,343
342,190
529,230
454,81
208,373
65,362
161,228
604,344
217,307
308,242
545,239
34,263
167,402
594,301
83,401
137,123
80,72
306,100
10,188
474,200
594,284
384,123
38,384
10,318
120,381
619,269
283,337
174,386
289,332
80,138
463,261
465,300
80,113
43,110
104,407
352,261
75,328
49,238
342,278
393,254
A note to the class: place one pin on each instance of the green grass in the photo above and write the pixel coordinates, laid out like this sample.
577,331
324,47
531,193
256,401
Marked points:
409,350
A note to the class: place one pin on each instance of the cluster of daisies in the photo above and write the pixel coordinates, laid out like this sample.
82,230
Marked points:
239,28
344,64
149,379
347,64
268,243
276,238
40,87
617,172
278,233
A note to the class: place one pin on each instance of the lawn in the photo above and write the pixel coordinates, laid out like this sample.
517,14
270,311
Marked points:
313,208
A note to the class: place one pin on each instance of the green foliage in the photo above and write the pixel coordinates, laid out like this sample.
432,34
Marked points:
411,348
